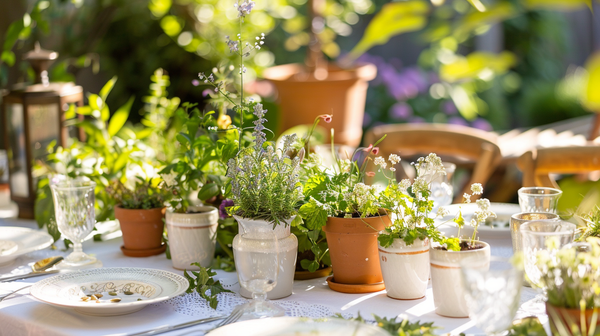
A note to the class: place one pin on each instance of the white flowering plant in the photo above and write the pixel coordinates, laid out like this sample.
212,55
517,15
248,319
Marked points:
411,208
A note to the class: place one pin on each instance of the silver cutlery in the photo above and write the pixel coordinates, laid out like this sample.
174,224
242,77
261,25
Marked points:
4,296
38,268
27,275
233,317
160,330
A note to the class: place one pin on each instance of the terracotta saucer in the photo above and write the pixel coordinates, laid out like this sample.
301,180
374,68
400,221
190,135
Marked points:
355,288
306,275
143,253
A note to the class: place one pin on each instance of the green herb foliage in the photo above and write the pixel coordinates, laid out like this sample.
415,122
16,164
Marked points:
592,225
202,281
143,194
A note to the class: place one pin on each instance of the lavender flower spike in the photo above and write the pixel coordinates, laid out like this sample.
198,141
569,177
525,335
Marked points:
244,7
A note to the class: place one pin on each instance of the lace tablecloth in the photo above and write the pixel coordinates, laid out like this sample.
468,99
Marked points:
23,315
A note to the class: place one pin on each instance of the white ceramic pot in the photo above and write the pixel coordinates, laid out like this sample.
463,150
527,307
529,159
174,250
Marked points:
405,269
288,251
192,236
448,292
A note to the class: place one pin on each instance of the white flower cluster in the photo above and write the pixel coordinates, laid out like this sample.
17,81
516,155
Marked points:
393,158
430,167
482,213
362,194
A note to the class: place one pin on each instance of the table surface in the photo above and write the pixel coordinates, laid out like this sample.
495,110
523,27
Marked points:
23,315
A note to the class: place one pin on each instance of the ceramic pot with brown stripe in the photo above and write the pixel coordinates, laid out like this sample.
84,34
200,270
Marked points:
405,269
446,281
192,236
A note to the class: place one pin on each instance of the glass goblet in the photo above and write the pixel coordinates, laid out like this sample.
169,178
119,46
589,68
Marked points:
539,199
257,263
493,294
441,187
75,218
540,241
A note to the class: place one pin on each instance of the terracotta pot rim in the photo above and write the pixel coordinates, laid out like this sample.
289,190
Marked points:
125,209
372,226
359,71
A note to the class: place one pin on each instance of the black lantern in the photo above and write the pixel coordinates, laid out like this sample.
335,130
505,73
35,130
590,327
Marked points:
34,116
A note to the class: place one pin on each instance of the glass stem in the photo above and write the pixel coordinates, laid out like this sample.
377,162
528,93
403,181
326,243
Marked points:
77,247
259,299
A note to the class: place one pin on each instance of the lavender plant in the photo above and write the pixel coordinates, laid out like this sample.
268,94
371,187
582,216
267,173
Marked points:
264,180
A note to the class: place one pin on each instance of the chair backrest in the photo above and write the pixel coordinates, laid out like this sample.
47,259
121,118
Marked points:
453,142
537,165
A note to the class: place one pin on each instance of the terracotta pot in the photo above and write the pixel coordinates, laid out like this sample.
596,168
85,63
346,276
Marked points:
142,230
563,319
446,281
405,269
343,94
287,253
353,248
192,236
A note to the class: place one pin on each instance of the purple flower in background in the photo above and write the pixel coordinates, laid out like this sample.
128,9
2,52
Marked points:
195,82
206,92
457,121
222,212
482,124
401,110
449,108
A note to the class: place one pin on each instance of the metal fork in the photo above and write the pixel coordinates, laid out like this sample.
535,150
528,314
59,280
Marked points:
2,297
233,317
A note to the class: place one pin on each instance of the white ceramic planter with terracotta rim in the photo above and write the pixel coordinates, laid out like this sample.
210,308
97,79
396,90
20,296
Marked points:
287,254
446,281
405,269
192,236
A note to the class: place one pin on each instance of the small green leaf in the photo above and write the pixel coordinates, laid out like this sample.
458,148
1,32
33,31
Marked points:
107,88
120,118
208,191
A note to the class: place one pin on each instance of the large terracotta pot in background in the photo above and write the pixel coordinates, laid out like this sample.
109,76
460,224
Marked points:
343,94
446,278
192,236
142,231
353,250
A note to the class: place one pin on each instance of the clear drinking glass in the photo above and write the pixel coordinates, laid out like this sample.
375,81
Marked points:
257,265
493,294
519,219
442,191
75,217
539,199
541,240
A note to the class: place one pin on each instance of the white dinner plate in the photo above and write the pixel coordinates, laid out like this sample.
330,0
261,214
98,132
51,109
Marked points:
135,287
296,326
501,224
27,240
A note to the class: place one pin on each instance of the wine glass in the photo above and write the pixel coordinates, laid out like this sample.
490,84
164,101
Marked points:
492,295
75,217
257,264
442,191
539,199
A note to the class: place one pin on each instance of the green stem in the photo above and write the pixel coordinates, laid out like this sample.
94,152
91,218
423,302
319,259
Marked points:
241,51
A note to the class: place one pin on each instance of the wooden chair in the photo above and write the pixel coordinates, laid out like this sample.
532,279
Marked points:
537,165
454,143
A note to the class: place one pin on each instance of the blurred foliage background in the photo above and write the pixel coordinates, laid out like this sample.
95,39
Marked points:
490,64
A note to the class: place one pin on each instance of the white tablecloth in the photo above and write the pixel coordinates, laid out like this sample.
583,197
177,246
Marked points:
23,315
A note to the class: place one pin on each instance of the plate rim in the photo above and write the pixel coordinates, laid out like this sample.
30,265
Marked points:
20,252
484,227
180,291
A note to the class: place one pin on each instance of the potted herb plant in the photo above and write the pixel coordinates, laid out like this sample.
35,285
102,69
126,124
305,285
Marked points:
350,214
404,246
265,191
197,175
448,294
140,211
572,279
